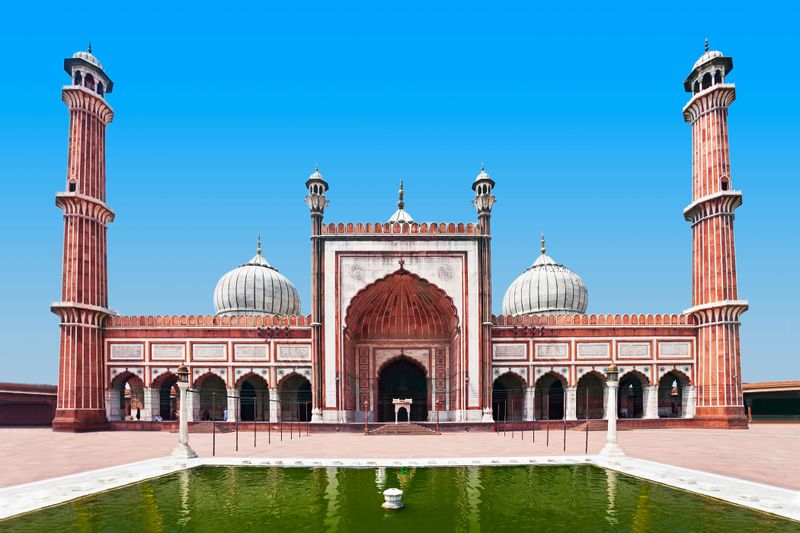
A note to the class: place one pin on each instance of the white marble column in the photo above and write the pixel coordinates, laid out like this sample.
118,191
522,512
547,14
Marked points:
688,401
183,450
612,447
192,406
274,402
571,407
529,405
233,404
651,401
605,403
151,403
112,404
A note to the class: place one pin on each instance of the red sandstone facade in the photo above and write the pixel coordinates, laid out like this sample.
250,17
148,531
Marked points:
399,293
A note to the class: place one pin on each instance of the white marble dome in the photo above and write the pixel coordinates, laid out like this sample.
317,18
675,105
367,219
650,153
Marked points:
546,287
256,288
88,57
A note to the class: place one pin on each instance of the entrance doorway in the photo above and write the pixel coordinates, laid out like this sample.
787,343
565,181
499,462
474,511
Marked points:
403,378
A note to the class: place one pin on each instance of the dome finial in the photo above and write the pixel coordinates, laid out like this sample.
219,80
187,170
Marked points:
89,48
543,247
316,167
258,244
400,203
483,166
706,44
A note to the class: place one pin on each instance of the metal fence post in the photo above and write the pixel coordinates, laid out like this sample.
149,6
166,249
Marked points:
213,424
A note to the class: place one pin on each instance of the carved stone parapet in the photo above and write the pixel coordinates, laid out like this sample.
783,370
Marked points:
726,311
716,96
76,204
722,203
81,98
81,314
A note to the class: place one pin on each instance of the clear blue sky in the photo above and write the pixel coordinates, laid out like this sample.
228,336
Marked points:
221,113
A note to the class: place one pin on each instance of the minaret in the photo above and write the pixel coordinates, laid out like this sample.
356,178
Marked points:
84,287
483,202
715,299
317,202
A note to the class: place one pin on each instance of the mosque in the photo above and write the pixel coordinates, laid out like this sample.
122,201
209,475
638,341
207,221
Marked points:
399,310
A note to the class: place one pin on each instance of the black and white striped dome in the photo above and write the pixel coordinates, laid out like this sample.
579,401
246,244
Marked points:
256,288
546,287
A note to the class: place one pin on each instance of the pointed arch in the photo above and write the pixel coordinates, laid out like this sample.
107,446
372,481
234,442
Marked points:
509,391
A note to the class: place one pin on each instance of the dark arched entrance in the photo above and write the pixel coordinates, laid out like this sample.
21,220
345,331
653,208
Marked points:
589,396
168,396
631,396
295,394
508,398
253,399
402,378
549,397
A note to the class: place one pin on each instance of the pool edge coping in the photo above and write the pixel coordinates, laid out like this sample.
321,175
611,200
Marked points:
25,498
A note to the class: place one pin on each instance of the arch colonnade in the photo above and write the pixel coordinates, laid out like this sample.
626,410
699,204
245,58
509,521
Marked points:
553,397
251,398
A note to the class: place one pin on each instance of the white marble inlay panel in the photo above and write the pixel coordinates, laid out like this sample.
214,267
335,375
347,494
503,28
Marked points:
504,352
674,349
127,351
552,350
294,352
168,352
250,352
208,352
633,350
593,350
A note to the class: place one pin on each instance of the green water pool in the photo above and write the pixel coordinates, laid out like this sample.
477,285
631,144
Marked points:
490,499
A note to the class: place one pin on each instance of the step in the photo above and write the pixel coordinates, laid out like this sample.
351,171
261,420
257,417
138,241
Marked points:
402,429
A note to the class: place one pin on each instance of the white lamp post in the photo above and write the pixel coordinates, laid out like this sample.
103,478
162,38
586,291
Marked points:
183,450
612,448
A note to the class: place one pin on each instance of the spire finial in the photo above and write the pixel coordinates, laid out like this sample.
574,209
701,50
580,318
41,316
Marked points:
543,247
316,167
258,244
483,167
706,44
89,48
400,203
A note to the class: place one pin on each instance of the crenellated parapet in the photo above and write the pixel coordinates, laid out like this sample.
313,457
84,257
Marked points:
205,321
404,228
594,320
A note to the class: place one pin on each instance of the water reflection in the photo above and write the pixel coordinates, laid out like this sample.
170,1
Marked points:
463,499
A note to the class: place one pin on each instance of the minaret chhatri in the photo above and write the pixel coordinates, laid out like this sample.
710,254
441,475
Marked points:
715,299
84,287
483,202
317,202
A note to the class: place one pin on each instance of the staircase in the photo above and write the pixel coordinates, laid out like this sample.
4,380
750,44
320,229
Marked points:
402,429
594,425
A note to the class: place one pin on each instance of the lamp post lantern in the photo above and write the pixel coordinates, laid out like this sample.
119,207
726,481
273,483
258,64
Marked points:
183,450
612,382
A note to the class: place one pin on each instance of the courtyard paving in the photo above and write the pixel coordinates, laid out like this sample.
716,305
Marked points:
766,453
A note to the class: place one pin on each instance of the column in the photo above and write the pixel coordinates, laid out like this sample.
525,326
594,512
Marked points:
612,448
192,406
274,401
529,405
233,404
183,450
688,397
152,403
112,406
651,402
571,407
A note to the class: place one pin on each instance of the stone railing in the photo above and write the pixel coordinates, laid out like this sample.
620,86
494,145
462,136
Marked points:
252,321
414,228
594,320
